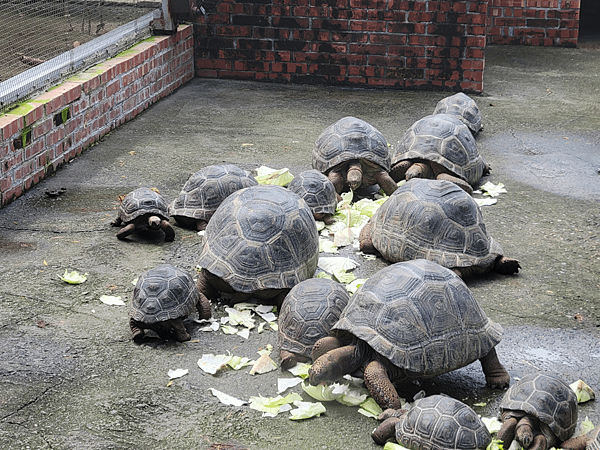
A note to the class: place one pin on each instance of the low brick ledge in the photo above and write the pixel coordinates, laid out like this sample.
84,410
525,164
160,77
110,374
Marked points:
38,136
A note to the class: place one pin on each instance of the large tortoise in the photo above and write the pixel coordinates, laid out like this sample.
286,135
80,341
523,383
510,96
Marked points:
440,147
204,191
589,441
437,422
162,298
435,220
539,411
260,242
411,320
318,192
463,107
141,210
353,153
307,314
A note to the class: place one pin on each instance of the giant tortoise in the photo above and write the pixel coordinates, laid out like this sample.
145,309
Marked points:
411,320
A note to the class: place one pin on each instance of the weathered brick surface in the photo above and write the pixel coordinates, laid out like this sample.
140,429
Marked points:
93,103
533,22
375,43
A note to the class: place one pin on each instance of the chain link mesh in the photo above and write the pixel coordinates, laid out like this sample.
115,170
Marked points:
34,31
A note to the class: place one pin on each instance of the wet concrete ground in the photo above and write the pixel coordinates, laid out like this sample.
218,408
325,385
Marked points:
70,376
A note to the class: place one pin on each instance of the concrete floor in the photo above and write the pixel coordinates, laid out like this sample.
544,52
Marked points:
70,376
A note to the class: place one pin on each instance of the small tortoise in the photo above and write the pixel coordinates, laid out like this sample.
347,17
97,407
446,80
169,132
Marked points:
204,191
411,320
440,147
318,192
260,242
463,107
162,298
143,209
539,411
353,153
307,314
435,220
436,422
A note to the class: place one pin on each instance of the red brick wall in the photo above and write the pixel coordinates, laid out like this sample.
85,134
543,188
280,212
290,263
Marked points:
40,135
374,43
533,22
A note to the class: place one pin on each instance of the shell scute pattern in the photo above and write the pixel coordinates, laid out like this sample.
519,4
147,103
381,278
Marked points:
463,107
435,220
546,397
261,237
316,189
308,313
143,201
347,139
204,191
443,139
163,293
422,317
438,422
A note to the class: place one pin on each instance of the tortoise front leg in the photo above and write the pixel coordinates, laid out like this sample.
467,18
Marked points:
338,181
525,431
385,182
419,170
507,431
506,266
168,229
126,231
137,330
201,225
380,387
289,359
496,376
176,325
398,172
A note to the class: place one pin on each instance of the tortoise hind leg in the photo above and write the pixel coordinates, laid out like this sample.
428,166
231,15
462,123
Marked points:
380,387
496,376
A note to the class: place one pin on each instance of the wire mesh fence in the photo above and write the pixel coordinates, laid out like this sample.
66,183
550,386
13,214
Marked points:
34,31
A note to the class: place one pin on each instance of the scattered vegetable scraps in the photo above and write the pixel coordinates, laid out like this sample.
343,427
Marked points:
73,277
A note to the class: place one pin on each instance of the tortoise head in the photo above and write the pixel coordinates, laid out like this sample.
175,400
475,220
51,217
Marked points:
334,364
354,175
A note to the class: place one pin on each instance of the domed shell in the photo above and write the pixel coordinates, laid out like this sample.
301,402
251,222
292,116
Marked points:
163,293
546,397
316,190
443,139
261,237
422,317
439,422
434,220
204,191
143,201
347,139
463,107
594,443
308,312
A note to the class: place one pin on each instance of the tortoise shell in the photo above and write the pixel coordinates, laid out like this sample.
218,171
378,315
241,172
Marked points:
439,422
546,397
463,107
143,201
163,293
443,139
422,317
204,191
348,139
434,220
594,443
261,237
316,190
308,312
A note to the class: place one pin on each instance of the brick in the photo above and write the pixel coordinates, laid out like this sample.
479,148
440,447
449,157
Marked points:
10,125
